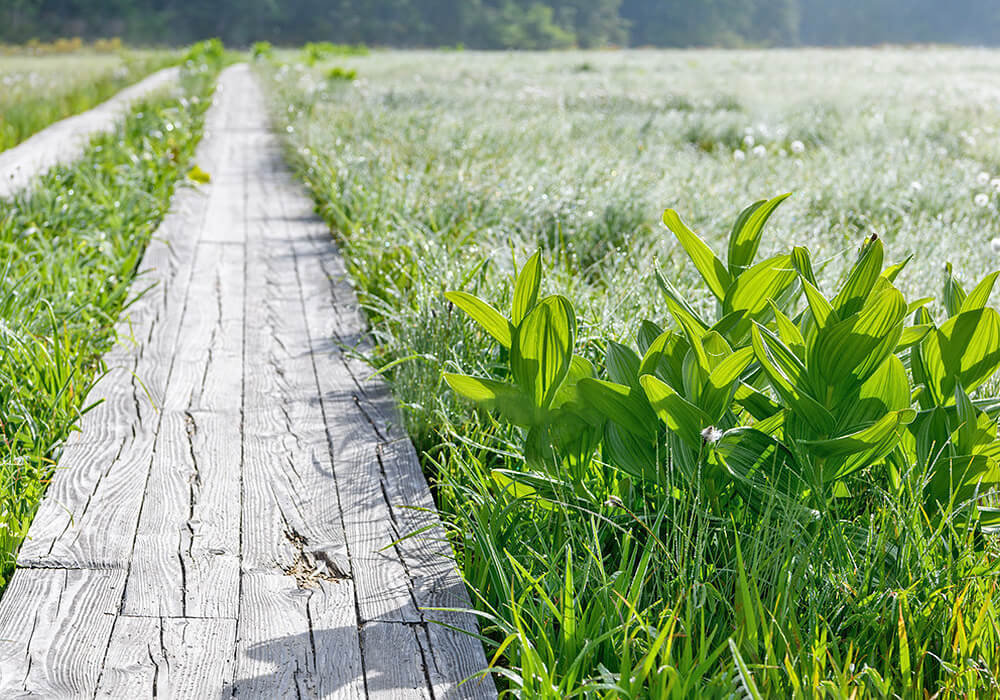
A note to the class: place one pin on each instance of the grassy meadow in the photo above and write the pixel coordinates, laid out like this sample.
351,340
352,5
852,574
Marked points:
446,171
38,90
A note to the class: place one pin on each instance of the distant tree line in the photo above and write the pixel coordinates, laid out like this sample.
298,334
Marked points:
500,24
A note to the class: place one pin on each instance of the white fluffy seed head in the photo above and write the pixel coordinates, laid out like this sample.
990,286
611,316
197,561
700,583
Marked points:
995,245
982,199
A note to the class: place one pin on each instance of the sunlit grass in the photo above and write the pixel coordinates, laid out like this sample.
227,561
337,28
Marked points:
39,90
439,171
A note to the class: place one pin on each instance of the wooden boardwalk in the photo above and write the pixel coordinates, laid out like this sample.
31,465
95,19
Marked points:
64,141
227,522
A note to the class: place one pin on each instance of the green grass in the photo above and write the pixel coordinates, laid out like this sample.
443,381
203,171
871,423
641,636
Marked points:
441,171
70,248
38,91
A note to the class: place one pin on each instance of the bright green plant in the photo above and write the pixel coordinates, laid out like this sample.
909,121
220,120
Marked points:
262,50
767,401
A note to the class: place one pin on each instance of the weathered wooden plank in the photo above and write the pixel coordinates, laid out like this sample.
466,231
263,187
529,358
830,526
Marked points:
54,631
286,446
152,657
394,662
274,657
64,141
379,575
428,558
186,558
334,624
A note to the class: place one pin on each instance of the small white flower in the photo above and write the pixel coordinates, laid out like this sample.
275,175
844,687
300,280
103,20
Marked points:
982,199
614,502
916,186
760,150
983,178
749,140
739,155
995,245
995,183
798,147
711,434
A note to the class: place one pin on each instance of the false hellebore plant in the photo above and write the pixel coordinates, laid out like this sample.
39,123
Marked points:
788,393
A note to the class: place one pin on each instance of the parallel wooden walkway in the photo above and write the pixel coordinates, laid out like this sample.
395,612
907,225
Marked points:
227,523
64,141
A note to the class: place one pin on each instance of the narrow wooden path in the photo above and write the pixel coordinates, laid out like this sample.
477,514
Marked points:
227,523
64,141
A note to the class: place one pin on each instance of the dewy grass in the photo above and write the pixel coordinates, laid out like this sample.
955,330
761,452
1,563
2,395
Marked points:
40,91
444,172
69,249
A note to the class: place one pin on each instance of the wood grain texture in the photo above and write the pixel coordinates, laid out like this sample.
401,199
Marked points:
152,657
394,662
54,630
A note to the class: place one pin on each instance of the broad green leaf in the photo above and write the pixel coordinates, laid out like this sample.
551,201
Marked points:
491,395
635,457
758,460
803,264
888,389
543,349
718,393
911,336
568,395
681,417
740,256
864,274
625,405
956,480
823,312
755,287
510,484
715,274
914,306
785,373
648,332
485,315
622,364
975,430
846,454
979,296
788,332
526,289
665,358
755,403
892,272
680,309
965,348
745,237
846,353
953,294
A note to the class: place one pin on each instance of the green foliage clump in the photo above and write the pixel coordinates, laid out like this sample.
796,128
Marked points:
262,50
337,73
789,402
315,52
772,399
22,115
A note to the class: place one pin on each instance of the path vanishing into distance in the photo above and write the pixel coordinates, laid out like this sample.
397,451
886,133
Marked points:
65,141
228,522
